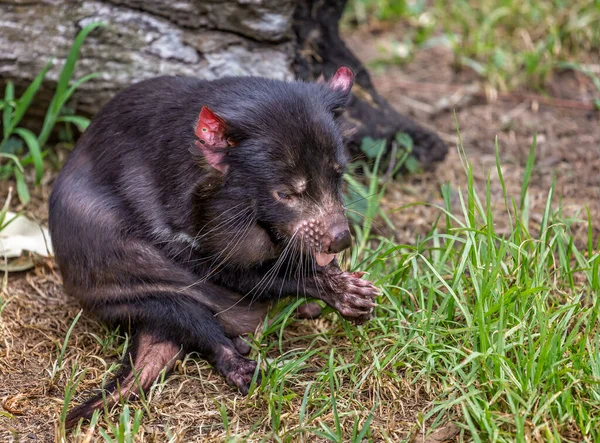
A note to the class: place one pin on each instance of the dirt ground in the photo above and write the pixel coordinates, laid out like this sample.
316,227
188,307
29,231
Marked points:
38,315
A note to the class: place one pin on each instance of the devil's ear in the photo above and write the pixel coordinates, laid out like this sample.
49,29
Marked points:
212,141
342,80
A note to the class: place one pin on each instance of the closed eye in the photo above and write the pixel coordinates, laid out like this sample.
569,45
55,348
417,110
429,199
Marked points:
284,196
337,112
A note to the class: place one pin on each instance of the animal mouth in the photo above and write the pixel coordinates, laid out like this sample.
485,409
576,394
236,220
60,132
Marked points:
323,259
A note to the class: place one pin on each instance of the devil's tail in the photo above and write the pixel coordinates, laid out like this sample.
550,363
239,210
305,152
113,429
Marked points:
150,355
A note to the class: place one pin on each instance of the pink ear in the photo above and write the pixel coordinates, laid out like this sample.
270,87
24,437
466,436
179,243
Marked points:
342,80
210,131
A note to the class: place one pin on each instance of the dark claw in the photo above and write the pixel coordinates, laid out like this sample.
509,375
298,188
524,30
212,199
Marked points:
353,300
359,282
351,313
357,274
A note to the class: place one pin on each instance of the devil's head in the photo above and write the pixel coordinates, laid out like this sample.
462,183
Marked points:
280,148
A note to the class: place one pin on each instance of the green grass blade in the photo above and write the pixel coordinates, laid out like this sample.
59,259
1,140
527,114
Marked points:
22,190
27,97
62,89
4,210
69,92
365,428
63,348
35,151
72,384
336,417
67,71
53,115
9,95
15,160
528,170
82,123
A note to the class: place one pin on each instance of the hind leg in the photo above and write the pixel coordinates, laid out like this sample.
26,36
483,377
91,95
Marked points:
168,324
147,357
191,324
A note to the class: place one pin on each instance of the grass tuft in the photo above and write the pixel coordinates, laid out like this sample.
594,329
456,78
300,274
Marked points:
499,332
13,111
510,43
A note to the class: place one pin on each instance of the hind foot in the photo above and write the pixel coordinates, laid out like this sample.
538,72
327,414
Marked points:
237,370
308,311
241,344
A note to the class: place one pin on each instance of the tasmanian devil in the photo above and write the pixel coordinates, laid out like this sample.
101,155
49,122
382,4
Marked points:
188,206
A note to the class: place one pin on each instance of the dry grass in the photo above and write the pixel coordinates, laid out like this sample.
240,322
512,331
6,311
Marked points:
37,316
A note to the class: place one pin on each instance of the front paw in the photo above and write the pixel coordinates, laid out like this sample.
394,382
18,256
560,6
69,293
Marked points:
352,296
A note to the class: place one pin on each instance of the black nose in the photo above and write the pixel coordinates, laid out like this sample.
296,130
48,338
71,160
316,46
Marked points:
341,241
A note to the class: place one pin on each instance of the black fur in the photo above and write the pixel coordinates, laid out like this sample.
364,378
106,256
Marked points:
147,234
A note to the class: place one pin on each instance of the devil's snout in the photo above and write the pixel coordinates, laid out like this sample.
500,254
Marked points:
341,239
326,236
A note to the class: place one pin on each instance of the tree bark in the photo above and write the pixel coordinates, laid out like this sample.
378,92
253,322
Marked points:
281,39
320,49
